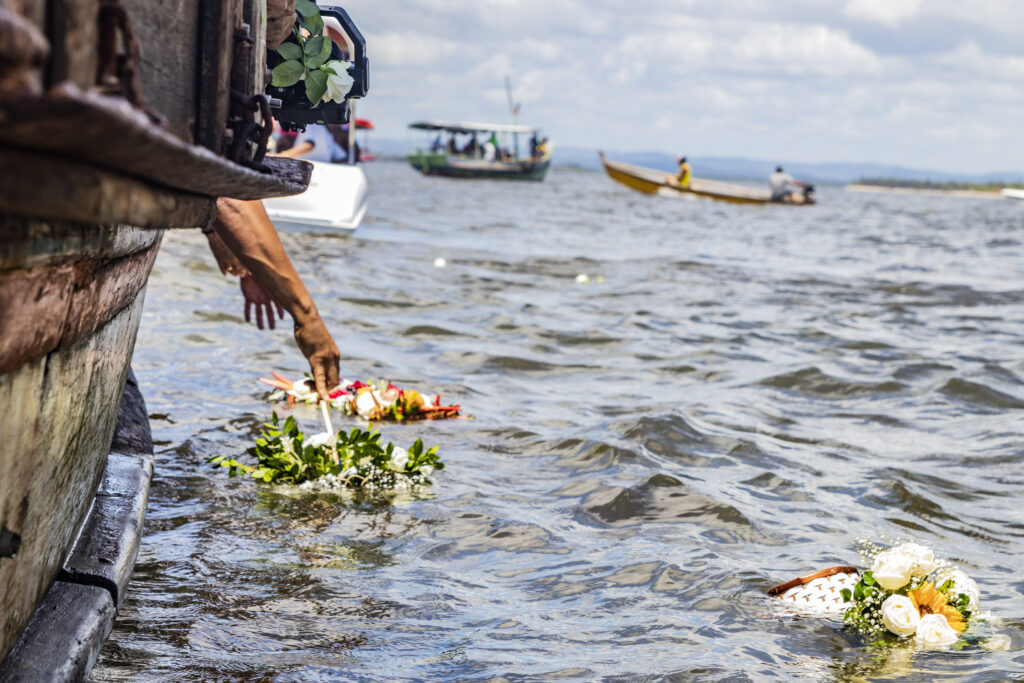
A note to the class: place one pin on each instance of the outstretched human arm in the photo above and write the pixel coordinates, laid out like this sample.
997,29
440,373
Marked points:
256,297
247,231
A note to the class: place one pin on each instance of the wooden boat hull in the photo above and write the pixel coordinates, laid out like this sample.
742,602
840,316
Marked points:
461,167
650,181
71,300
103,147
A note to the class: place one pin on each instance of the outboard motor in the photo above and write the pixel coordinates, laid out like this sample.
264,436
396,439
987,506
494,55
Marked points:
808,193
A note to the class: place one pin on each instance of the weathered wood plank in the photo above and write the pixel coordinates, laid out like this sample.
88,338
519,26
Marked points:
55,447
31,243
218,20
74,36
105,552
167,33
33,10
112,134
64,638
47,308
45,186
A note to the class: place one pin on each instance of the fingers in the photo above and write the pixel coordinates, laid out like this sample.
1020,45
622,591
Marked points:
332,373
248,307
271,319
259,316
320,377
280,311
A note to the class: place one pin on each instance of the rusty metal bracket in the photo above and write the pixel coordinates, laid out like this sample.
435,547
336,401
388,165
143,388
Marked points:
249,119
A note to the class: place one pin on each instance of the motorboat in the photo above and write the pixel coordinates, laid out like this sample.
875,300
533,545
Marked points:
336,199
478,157
651,181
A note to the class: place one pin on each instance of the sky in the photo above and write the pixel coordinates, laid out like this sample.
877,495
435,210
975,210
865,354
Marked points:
934,84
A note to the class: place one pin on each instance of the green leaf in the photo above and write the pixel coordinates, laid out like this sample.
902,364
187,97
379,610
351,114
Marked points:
314,24
286,74
316,61
317,49
846,594
307,8
868,578
290,51
316,85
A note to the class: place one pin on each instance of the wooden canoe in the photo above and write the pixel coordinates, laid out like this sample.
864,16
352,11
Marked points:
650,181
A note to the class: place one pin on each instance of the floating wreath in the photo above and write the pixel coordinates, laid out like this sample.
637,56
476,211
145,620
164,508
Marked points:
371,400
354,460
306,57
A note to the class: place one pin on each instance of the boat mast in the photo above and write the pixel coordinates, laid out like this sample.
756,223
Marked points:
513,109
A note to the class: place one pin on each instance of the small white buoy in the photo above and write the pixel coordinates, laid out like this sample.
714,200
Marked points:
583,279
440,262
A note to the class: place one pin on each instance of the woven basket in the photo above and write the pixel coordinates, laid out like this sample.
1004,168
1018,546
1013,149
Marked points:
819,593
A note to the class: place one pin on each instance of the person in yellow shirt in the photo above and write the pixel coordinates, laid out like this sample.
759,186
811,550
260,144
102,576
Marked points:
682,178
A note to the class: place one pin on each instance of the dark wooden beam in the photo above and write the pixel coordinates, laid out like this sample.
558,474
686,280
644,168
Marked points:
47,186
111,134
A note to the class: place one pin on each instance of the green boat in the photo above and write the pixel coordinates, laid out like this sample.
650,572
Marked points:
491,150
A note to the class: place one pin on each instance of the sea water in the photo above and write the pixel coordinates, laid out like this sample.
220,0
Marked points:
730,398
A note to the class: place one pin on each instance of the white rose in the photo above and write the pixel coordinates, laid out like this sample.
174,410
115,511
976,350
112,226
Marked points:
426,470
321,439
923,558
900,616
934,631
302,392
339,82
365,404
961,584
892,570
399,459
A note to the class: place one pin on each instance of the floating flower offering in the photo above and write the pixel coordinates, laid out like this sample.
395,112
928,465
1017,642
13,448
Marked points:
368,400
354,460
903,594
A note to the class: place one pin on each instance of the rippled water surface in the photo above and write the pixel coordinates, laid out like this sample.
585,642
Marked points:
737,396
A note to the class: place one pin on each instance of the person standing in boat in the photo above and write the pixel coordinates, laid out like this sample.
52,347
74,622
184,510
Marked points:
683,176
783,185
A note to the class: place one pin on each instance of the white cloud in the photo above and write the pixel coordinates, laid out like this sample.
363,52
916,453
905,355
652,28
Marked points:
849,80
891,13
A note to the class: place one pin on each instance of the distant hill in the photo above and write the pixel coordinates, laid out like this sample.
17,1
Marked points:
739,168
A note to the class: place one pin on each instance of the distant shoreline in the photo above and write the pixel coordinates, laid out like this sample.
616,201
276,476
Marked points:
978,194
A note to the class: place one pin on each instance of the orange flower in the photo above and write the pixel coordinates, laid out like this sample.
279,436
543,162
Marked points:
928,600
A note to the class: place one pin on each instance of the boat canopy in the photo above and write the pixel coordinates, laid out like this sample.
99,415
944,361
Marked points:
455,127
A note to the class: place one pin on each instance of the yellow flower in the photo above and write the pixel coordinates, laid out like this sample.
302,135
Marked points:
928,600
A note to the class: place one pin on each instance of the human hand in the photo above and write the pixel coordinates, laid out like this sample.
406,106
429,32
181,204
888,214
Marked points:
318,347
258,298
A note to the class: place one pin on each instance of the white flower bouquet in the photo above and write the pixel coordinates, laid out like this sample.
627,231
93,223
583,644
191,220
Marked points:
909,593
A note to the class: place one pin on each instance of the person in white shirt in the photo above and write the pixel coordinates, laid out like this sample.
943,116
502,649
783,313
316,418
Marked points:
782,185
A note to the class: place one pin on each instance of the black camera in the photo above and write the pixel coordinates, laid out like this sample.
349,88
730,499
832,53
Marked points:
290,106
